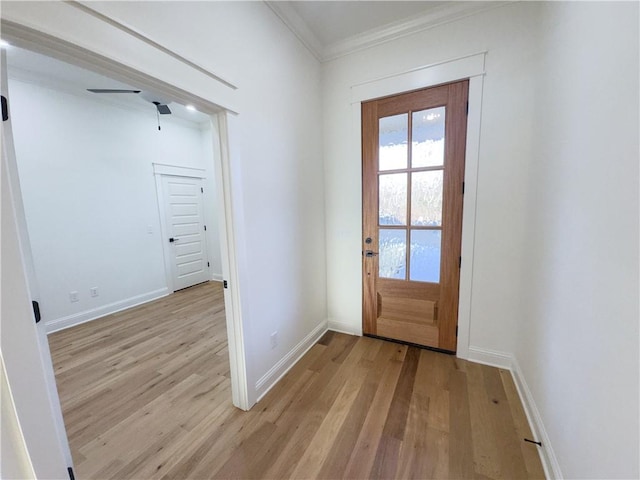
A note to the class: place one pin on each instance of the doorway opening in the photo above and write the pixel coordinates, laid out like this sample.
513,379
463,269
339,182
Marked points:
94,204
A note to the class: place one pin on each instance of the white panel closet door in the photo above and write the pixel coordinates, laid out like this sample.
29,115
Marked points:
186,230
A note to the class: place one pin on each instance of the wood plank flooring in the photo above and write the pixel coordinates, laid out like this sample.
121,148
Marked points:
146,395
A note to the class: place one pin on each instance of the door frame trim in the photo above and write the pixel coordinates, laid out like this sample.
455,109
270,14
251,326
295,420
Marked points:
470,67
159,171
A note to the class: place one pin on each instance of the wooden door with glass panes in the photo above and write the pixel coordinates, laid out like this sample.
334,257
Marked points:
413,147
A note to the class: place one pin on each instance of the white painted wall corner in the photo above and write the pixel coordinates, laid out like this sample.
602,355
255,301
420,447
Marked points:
492,358
345,327
275,373
508,362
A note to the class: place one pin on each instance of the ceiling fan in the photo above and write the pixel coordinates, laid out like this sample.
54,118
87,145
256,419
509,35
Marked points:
160,103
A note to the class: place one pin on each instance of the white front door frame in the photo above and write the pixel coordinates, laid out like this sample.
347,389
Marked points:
471,67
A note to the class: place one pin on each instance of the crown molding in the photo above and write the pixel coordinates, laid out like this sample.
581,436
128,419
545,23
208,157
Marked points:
130,30
439,15
298,26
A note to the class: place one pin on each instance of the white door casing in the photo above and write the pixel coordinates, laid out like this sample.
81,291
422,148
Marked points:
470,67
23,344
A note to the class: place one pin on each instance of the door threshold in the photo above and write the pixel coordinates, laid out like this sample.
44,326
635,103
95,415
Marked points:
409,344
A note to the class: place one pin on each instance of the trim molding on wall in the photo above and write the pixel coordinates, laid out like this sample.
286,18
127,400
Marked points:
547,454
446,13
232,257
164,169
509,362
149,41
459,68
32,39
273,376
95,313
344,327
217,277
492,358
435,16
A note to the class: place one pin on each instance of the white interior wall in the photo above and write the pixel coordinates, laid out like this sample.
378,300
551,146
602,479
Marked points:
577,343
90,198
507,34
275,148
558,149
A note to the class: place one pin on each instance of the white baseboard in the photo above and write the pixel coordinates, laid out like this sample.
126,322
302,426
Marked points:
490,357
344,327
275,373
98,312
509,362
216,277
547,455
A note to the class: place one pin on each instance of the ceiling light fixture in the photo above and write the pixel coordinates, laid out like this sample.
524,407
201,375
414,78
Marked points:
191,108
4,44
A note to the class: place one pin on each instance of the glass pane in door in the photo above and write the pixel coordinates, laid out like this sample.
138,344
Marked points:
425,255
426,198
392,199
427,138
392,144
392,250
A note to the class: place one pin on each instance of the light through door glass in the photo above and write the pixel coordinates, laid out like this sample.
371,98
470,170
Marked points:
393,139
393,253
426,198
425,255
410,248
427,138
392,192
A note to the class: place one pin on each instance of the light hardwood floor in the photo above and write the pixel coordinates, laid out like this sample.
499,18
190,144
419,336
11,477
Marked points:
146,394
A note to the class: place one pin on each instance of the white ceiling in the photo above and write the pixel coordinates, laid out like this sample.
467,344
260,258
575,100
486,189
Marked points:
334,21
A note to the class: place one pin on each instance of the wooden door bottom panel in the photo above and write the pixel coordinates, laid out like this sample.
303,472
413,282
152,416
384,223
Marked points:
412,310
421,334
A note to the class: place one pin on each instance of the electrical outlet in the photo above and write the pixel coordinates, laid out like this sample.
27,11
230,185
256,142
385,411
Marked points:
274,340
73,296
93,291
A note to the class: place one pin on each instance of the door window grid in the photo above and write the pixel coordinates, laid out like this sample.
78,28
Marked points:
396,254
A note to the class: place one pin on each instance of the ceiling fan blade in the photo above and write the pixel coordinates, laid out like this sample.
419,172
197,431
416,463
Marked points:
110,90
163,109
